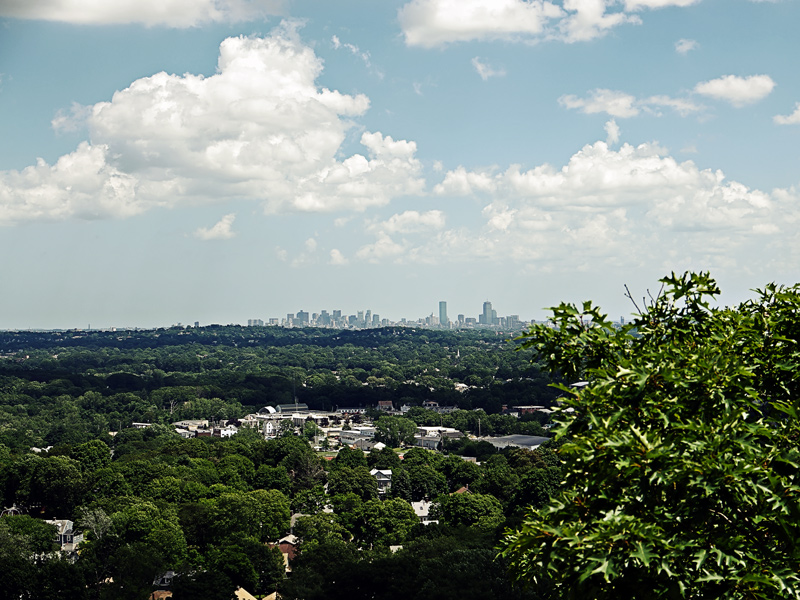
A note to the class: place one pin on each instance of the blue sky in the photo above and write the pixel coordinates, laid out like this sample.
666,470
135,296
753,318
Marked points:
167,161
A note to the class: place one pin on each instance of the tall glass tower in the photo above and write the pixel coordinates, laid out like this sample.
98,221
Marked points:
443,320
488,318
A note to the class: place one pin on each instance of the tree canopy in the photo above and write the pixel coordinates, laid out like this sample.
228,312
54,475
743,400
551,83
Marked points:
681,459
148,501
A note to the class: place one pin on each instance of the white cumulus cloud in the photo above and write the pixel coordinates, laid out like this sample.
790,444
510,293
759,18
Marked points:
612,131
337,258
72,119
80,184
384,247
739,91
396,234
684,46
615,103
172,13
589,19
258,129
220,231
628,207
792,119
430,23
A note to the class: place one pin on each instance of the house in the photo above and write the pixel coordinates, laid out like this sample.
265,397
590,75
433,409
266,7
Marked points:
367,445
288,547
384,479
225,432
434,406
66,537
270,429
164,580
422,510
267,420
385,405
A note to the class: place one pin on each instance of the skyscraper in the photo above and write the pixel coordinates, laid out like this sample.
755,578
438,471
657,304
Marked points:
487,313
443,320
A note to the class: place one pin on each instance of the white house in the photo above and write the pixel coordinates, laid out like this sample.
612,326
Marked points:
384,479
422,510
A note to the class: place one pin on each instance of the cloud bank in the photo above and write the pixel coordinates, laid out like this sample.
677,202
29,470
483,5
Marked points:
172,13
431,23
259,129
623,105
627,208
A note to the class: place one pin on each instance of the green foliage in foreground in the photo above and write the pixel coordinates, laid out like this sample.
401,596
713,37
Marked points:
682,464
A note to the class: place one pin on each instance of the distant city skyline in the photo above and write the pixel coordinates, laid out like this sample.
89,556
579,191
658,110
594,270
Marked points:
366,318
363,318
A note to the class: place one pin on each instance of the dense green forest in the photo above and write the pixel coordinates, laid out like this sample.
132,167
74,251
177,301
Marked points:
149,501
71,387
207,508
